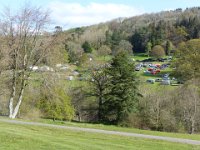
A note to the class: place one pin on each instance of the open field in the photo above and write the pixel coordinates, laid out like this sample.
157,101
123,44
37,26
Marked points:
140,56
115,128
34,137
123,129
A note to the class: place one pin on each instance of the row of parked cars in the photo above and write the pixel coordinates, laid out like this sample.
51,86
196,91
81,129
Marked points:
165,80
140,66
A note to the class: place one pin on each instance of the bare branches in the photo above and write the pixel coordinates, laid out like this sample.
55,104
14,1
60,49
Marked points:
22,38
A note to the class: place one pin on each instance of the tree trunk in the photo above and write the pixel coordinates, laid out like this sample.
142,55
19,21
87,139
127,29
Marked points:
16,110
11,103
79,117
100,109
13,93
194,115
192,126
14,113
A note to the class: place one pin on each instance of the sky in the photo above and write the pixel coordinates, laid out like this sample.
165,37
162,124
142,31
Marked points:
77,13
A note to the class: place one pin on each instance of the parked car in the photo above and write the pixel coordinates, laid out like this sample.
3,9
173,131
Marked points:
166,75
138,68
152,81
161,59
145,65
150,69
147,72
153,72
166,82
158,80
157,71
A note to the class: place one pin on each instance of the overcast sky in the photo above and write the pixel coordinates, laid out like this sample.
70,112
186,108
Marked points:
76,13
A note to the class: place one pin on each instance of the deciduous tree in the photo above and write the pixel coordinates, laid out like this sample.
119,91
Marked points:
21,39
188,60
104,51
157,51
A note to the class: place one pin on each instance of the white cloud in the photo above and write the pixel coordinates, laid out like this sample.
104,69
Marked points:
76,15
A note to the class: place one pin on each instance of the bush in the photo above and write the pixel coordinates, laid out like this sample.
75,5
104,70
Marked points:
157,52
87,47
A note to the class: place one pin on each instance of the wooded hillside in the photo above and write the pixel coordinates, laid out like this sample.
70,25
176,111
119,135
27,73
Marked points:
157,28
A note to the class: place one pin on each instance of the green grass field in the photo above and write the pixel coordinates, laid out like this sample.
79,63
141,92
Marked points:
26,137
140,56
123,129
115,128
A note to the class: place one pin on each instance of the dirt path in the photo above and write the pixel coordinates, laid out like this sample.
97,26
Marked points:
170,139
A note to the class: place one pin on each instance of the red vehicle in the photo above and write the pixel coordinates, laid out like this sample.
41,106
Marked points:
154,72
157,71
150,69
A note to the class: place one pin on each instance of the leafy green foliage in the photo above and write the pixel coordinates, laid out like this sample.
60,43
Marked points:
148,48
74,50
168,47
138,39
99,89
54,103
87,47
157,51
124,46
122,96
104,50
188,60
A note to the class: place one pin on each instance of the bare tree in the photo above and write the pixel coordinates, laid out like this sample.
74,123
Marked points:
104,51
23,40
189,102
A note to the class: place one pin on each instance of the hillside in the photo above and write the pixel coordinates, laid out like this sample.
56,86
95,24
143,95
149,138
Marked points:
38,137
175,26
141,72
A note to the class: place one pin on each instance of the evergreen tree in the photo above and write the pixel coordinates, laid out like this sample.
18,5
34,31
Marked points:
87,47
168,47
148,48
122,95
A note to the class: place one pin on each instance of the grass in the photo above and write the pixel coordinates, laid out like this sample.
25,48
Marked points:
104,58
20,137
117,128
123,129
140,56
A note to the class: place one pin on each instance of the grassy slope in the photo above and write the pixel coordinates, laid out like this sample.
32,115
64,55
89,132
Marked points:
123,129
19,137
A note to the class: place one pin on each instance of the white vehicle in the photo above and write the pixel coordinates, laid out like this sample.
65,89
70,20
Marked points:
152,81
166,82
